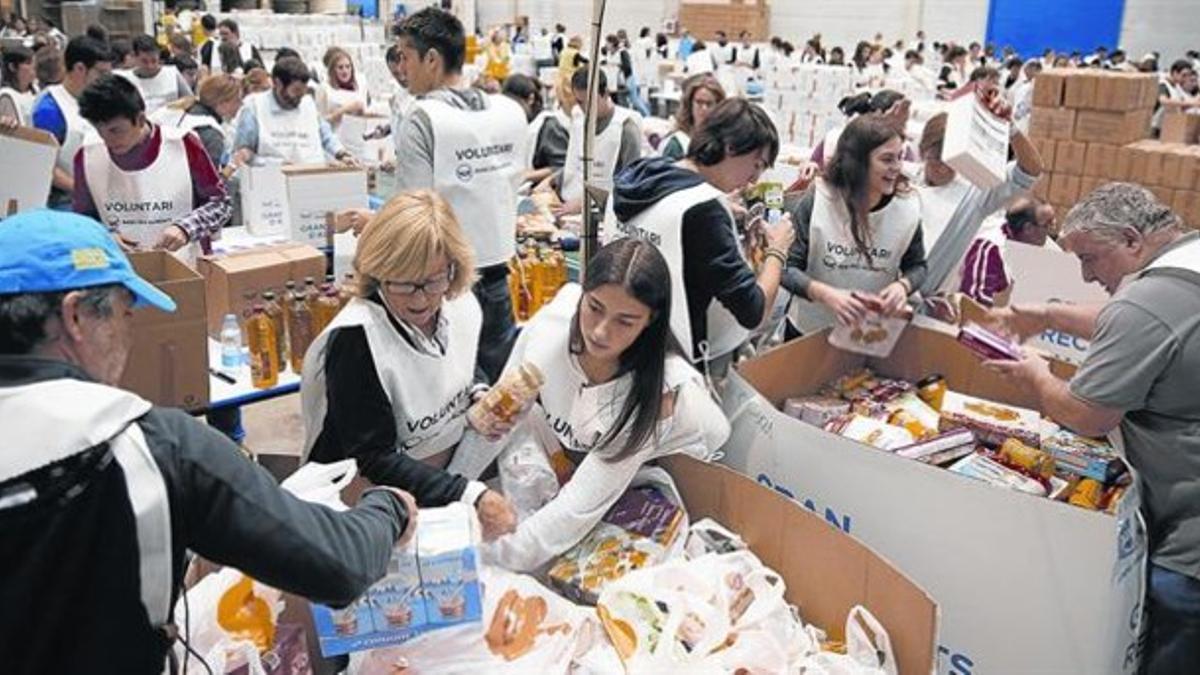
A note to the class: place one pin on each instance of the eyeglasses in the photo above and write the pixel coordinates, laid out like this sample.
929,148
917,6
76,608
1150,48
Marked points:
432,286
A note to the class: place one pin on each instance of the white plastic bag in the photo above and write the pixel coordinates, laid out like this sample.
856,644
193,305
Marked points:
866,653
526,476
198,616
322,483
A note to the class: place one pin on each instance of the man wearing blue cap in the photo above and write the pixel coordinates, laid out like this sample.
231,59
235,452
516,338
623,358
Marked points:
102,494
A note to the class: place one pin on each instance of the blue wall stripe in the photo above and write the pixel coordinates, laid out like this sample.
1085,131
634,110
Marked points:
1031,26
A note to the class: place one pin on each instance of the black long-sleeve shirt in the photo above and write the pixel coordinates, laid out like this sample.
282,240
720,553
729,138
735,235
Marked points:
360,423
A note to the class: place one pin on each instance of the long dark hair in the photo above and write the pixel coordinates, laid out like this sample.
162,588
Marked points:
849,172
13,58
636,266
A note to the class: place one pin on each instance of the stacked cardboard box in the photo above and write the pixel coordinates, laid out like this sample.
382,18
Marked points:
1081,121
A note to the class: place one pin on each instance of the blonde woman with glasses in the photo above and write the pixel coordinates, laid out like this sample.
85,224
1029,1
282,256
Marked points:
390,380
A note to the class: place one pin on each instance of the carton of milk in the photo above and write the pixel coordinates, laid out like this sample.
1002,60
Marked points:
431,583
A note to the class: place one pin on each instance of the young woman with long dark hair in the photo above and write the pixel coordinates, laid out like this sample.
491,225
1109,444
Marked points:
858,233
17,81
618,394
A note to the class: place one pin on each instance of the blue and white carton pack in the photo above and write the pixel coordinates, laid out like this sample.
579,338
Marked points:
431,583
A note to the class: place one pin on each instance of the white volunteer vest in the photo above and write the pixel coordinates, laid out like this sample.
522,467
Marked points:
182,119
834,258
477,168
156,91
581,414
429,394
699,62
336,97
293,136
62,418
605,152
938,205
662,225
23,102
1186,258
535,130
1175,93
76,127
140,204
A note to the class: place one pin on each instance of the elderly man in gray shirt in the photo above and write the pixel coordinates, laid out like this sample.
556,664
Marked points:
1140,374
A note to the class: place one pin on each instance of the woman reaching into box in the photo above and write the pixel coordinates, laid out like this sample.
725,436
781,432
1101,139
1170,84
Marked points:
858,240
618,394
389,381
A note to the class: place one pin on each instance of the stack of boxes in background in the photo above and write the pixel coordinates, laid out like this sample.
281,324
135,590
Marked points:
804,100
1092,127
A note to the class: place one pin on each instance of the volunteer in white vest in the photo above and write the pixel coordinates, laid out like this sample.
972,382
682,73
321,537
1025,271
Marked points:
154,187
17,85
723,55
469,147
217,102
1139,376
699,60
682,208
340,93
159,84
701,93
547,137
106,495
618,142
240,53
283,125
1171,95
618,395
858,241
390,380
56,110
952,208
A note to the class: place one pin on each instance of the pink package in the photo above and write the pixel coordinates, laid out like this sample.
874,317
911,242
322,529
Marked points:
988,345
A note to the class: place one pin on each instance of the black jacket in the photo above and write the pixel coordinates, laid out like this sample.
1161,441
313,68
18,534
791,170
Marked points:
69,584
713,266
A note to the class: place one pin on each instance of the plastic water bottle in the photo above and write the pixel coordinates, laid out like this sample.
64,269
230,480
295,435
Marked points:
231,343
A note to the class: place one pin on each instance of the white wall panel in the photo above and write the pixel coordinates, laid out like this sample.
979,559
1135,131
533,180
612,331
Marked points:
1170,27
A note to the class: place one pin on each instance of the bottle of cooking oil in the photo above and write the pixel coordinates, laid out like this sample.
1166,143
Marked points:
275,312
301,330
264,359
327,307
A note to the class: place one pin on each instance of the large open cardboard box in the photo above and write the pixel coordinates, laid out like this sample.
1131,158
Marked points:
1026,584
231,278
168,364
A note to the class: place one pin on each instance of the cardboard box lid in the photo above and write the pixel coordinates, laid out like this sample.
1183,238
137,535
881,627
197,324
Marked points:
827,572
260,256
299,170
173,277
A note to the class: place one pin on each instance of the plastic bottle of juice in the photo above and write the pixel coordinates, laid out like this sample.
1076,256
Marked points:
301,330
245,615
264,359
275,311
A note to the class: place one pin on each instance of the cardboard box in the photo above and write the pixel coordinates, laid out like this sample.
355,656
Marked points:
1079,91
1095,126
1043,275
1180,127
1041,187
1186,203
1056,123
1048,88
28,168
1120,92
1064,189
1069,157
1145,166
826,572
1124,165
1057,582
1100,160
313,192
976,143
168,364
1087,184
233,280
1046,147
1165,195
264,199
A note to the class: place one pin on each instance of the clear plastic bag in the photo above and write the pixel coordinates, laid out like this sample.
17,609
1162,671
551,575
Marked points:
526,476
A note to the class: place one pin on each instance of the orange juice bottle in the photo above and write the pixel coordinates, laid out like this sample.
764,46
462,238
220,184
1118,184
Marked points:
264,358
245,615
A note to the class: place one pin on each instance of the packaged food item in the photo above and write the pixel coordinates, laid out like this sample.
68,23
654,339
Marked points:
932,390
1087,494
1085,457
431,583
991,422
815,410
1112,498
1060,488
876,335
981,467
853,385
942,448
508,397
988,345
870,431
1033,460
636,532
909,411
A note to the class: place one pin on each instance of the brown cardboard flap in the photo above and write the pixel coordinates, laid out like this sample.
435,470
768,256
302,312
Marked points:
826,571
319,169
772,372
32,135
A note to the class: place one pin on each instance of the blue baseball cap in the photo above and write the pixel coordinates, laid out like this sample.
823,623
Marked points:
46,251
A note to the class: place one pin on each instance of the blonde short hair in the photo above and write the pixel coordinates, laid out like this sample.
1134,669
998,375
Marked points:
402,240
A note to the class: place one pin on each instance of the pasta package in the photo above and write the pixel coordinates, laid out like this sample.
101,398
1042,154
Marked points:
981,467
872,432
815,410
1084,457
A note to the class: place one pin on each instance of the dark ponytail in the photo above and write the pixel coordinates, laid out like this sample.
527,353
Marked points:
636,266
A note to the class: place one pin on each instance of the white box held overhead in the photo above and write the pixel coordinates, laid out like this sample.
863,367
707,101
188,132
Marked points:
1026,584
